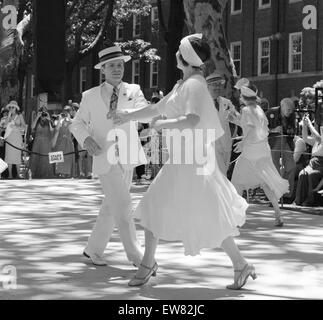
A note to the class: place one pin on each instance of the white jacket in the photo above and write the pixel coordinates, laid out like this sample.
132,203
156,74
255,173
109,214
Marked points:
91,120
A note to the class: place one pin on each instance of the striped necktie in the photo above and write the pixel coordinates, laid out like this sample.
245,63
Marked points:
113,103
112,113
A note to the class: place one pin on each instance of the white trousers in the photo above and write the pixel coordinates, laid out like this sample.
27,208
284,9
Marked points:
115,212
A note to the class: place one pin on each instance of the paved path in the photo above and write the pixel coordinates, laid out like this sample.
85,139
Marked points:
44,225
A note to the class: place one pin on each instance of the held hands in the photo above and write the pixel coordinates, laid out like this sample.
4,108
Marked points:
157,122
92,147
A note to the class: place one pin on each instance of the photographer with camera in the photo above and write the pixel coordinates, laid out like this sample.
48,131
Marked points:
63,141
42,131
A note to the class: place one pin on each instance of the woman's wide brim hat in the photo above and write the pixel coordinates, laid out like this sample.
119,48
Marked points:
250,93
110,54
13,104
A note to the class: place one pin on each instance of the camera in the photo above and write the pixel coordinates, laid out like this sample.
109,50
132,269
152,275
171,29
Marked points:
44,114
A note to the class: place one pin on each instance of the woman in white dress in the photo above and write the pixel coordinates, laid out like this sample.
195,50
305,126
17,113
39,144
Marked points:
14,131
255,167
193,203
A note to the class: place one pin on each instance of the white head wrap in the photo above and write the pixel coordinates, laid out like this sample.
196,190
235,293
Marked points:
187,51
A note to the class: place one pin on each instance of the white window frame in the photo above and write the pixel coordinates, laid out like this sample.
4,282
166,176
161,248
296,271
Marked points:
260,41
290,60
82,80
119,27
136,21
232,45
154,18
134,74
264,6
233,12
154,72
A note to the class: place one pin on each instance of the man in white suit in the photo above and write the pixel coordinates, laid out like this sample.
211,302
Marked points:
223,146
94,129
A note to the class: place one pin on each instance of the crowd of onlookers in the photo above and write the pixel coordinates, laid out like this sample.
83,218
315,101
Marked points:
48,133
295,139
297,152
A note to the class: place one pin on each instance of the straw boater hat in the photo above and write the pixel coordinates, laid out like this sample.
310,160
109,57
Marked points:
13,104
109,54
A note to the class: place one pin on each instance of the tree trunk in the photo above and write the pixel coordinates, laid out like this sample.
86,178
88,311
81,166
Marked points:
206,16
67,91
173,37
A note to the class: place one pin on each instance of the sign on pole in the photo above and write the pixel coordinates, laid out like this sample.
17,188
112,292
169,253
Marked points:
56,157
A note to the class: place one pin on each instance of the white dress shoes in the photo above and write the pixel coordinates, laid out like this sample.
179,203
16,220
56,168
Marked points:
95,258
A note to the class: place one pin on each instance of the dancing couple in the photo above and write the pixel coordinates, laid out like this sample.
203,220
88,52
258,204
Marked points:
202,211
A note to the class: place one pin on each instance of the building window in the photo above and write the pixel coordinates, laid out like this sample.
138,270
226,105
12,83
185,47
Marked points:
264,56
135,71
295,52
32,86
236,6
154,75
264,4
82,79
236,56
136,26
154,19
119,32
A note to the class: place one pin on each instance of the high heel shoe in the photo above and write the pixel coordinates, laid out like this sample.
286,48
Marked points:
248,270
137,282
279,223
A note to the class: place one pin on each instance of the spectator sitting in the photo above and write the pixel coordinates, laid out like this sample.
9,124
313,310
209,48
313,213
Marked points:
310,177
301,158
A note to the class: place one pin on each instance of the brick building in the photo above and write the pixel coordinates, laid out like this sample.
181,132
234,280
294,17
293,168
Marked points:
148,75
266,38
270,46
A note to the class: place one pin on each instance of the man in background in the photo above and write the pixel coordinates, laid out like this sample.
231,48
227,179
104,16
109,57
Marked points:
282,130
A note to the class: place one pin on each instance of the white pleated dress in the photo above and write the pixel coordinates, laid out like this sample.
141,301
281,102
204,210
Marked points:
181,204
255,166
